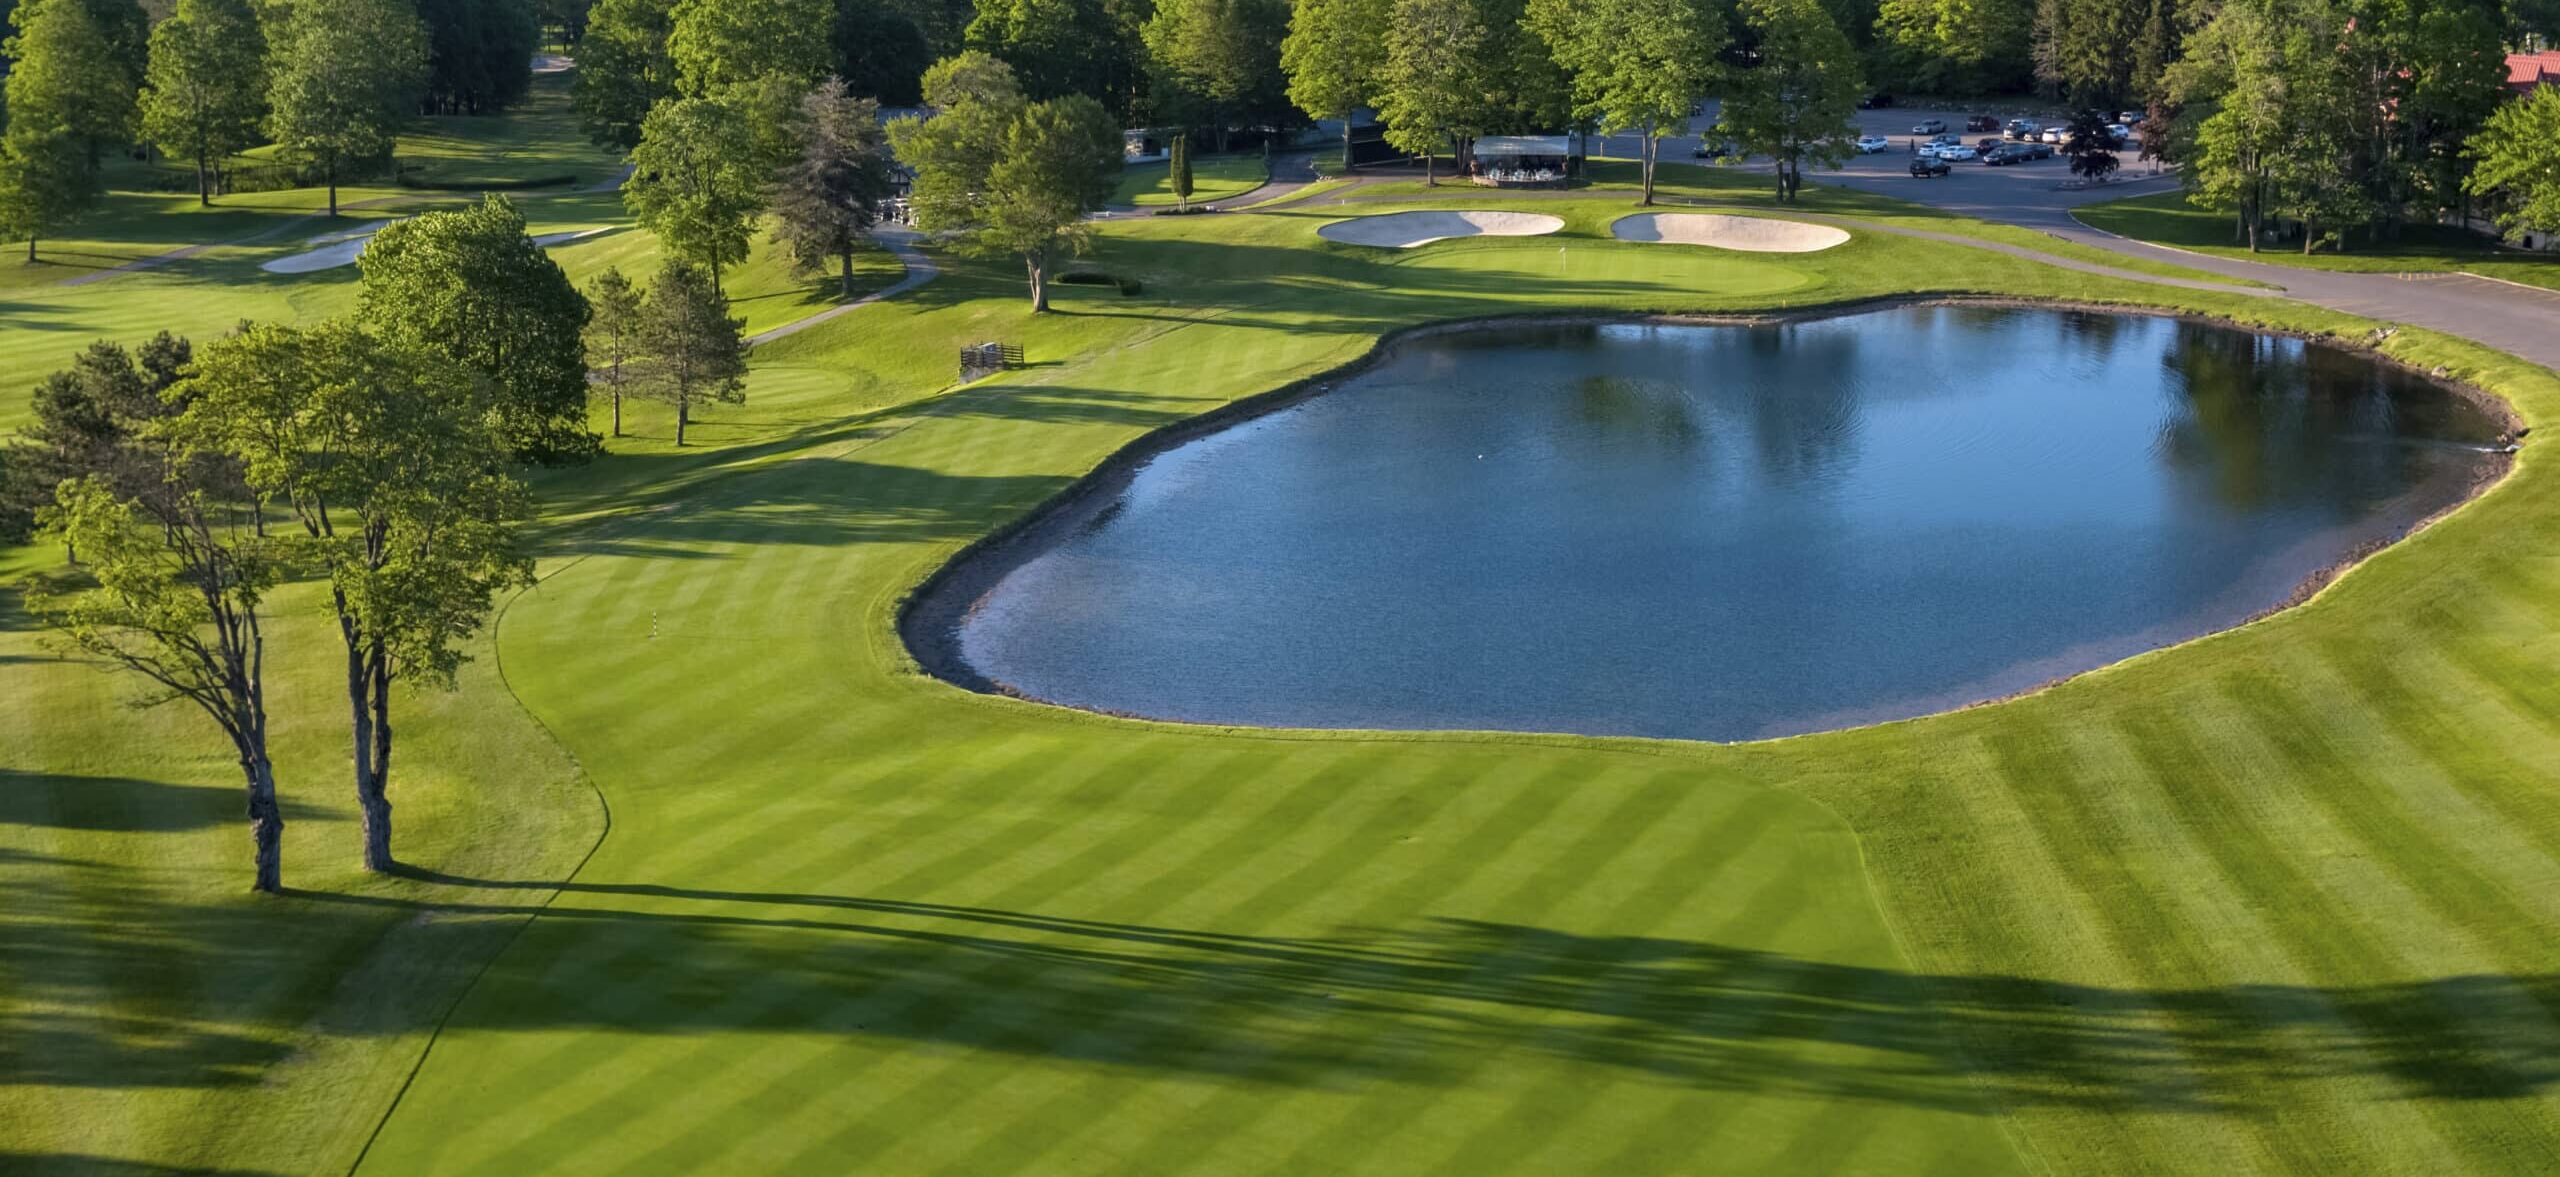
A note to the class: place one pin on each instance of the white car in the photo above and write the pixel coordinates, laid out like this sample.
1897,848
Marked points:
1872,144
1958,153
1928,126
2055,134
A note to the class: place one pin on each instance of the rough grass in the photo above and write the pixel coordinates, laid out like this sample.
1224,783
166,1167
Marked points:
2168,219
2283,899
1213,177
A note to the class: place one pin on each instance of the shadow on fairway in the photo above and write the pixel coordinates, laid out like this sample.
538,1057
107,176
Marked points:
126,805
27,1164
1416,1004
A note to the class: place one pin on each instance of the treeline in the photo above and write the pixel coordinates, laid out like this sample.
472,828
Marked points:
330,82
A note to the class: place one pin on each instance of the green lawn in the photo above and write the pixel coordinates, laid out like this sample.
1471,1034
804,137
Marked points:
2167,219
1213,177
2280,900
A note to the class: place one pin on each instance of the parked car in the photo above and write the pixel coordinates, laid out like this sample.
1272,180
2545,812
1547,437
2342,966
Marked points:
1986,144
2129,117
1871,144
1928,126
2121,133
1716,150
1982,122
2024,128
1929,166
1876,101
2008,153
2053,135
1958,153
2038,150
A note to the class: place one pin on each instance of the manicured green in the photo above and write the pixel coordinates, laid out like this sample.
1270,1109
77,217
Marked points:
2167,219
2282,899
1213,178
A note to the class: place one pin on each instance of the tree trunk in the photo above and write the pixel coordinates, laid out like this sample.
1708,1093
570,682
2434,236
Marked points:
375,796
204,184
266,822
1039,282
617,410
1428,181
333,187
1346,143
1652,147
847,271
684,413
31,249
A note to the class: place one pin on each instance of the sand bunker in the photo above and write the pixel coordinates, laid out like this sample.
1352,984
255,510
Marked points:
341,248
1406,230
1752,234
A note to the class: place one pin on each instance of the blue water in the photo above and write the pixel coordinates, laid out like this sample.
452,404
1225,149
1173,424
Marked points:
1719,532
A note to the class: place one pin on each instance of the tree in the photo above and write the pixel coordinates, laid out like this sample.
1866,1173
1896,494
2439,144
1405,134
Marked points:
46,179
879,52
613,336
1794,104
1062,47
1635,64
1333,55
2089,147
1008,177
717,43
207,88
697,181
1430,85
2517,163
348,73
175,582
470,283
828,198
2231,84
1213,63
479,54
623,69
93,418
1957,46
382,452
695,353
71,73
1177,169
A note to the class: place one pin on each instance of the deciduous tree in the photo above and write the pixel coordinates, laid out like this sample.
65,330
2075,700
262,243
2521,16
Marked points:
382,451
207,88
825,200
1794,104
1430,87
479,54
74,71
698,181
1216,63
1333,56
46,179
2517,163
1636,65
472,284
1062,47
717,43
1008,177
695,354
624,69
348,75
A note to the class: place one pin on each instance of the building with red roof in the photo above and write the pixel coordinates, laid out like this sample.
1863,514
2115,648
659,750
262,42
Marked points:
2526,71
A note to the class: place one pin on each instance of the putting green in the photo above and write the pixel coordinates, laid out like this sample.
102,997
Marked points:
2283,899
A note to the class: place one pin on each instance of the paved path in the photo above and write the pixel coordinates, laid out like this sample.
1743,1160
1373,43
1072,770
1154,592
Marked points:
901,243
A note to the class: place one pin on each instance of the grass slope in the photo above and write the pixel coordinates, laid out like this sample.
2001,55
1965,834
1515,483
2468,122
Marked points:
2279,900
2167,219
1213,177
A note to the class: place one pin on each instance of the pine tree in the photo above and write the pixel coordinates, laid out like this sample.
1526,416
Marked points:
615,323
828,198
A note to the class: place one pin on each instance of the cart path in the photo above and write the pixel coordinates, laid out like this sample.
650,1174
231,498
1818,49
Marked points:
901,244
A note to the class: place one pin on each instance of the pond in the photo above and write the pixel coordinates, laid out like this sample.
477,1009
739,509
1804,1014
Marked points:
1712,531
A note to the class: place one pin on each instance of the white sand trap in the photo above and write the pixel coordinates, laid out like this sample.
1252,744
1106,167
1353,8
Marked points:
1406,230
1751,234
341,248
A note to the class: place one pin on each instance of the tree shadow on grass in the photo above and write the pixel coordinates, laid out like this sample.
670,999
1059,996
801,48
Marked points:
1415,1003
26,1164
126,804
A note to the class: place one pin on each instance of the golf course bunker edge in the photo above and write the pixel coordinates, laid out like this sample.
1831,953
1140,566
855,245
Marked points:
1749,234
1406,230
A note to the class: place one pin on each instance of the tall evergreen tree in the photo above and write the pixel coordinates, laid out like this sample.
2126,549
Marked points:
208,85
348,75
695,353
824,201
616,320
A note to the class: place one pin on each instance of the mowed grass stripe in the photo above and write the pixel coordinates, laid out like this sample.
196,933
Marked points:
2499,758
985,1028
1350,847
922,1004
1088,1104
2400,1041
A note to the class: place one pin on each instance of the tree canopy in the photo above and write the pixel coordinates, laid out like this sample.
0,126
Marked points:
624,68
698,180
349,74
1006,175
1333,56
2518,157
827,198
1636,65
207,89
1794,102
